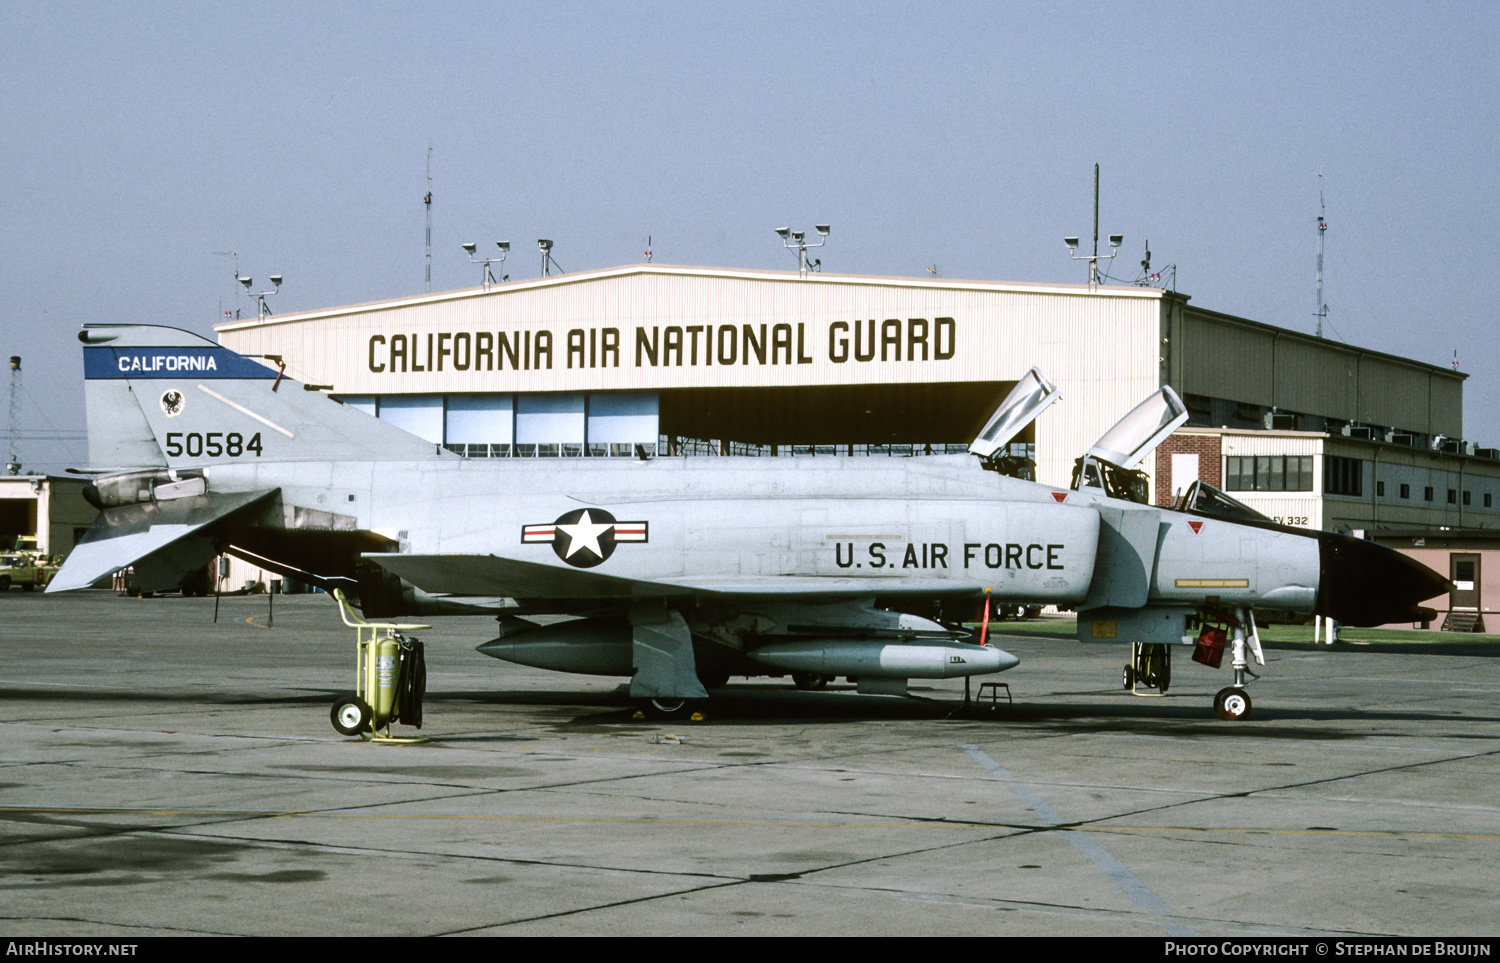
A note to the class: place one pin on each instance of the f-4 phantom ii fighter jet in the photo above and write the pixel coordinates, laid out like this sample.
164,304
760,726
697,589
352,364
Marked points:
680,572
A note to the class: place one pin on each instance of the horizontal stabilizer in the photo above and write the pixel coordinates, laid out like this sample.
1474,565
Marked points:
126,534
492,575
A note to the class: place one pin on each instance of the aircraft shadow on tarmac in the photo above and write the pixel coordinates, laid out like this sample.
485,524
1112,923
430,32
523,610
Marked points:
1481,649
766,705
763,705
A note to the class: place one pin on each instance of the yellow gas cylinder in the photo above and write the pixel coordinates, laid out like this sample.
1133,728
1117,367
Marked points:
387,655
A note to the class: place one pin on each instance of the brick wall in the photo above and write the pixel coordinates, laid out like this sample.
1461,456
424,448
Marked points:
1209,449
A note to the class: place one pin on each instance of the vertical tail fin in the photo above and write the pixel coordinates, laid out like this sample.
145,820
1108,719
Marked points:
163,397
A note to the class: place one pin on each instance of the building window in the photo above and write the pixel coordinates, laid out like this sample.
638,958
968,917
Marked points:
1405,491
1452,497
1466,498
1343,476
1427,493
1380,489
1268,473
1486,499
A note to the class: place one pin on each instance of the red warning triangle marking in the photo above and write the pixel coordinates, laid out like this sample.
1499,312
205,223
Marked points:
1196,527
1060,496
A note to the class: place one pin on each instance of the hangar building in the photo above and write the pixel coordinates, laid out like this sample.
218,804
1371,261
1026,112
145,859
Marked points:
738,361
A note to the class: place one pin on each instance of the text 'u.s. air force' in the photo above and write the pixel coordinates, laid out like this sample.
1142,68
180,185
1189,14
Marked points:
930,555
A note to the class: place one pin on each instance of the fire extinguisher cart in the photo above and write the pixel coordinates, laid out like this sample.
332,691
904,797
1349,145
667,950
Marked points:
390,679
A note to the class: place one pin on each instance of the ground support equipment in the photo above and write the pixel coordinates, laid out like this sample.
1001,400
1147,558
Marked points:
390,677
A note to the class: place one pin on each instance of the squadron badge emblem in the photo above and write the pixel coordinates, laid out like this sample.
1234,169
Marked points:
172,402
585,536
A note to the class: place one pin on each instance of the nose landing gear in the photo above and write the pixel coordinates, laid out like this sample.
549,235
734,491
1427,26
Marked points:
1232,703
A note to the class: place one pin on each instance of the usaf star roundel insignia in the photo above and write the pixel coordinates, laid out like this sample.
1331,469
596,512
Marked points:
172,402
585,536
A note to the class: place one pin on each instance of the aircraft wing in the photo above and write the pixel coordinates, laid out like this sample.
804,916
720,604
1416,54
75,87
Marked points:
126,534
822,586
493,575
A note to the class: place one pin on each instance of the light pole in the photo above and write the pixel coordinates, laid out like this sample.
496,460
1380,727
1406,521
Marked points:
796,241
261,311
486,276
545,246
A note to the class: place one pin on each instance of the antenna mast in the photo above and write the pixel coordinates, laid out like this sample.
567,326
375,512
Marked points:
1115,240
427,203
13,466
1322,311
1094,261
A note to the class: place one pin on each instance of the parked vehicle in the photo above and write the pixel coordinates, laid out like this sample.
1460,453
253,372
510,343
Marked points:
26,570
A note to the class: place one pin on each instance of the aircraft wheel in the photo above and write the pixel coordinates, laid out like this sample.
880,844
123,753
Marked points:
351,716
668,708
1232,704
1128,677
809,680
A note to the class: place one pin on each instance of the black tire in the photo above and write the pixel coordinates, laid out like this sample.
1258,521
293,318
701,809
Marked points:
1232,704
1128,676
809,681
351,716
667,708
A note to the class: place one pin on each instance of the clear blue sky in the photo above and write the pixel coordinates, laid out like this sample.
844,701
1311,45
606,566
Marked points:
138,139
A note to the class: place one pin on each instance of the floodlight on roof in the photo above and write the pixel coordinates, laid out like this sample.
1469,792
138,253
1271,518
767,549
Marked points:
545,246
1115,240
486,276
797,241
261,311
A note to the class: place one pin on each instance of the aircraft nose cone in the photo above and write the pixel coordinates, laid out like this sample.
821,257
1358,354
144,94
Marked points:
1362,583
